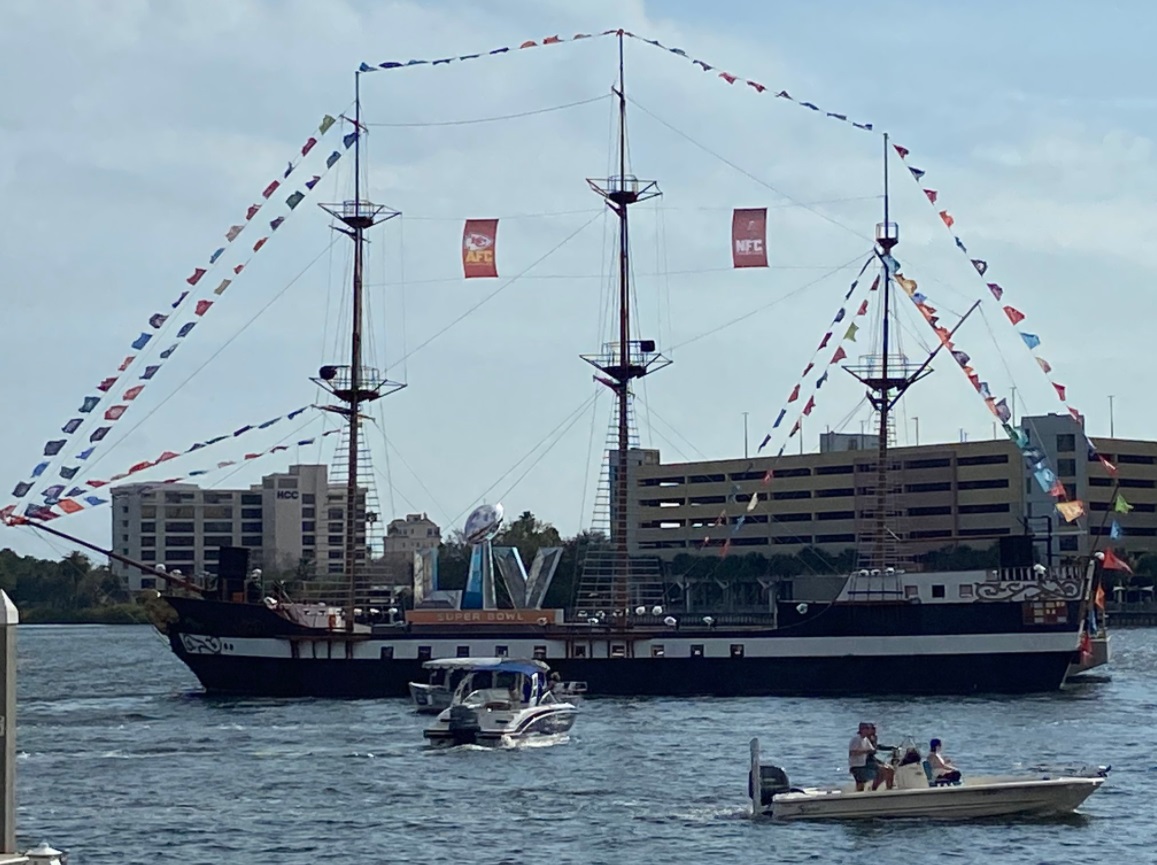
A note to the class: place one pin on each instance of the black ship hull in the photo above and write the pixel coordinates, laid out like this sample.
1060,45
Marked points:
848,649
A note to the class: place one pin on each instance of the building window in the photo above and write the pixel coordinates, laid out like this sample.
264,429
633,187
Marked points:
618,650
845,538
180,541
965,590
911,591
463,651
309,540
148,582
148,528
1067,467
218,540
148,512
984,460
829,470
424,653
737,650
287,483
179,555
387,653
251,513
251,498
217,512
998,508
1137,483
308,513
181,512
179,528
1097,482
1066,443
931,511
308,498
657,650
938,591
792,494
836,515
501,651
935,487
990,484
148,556
839,492
578,651
217,528
336,514
149,541
936,463
1136,459
696,650
252,527
251,541
1069,543
335,554
706,479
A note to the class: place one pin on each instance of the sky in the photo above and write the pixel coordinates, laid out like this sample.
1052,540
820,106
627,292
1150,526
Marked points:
141,131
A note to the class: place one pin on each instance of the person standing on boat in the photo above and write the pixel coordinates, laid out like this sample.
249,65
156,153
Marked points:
859,749
884,773
942,769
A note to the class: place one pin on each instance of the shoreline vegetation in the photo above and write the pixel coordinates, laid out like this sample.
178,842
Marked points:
75,590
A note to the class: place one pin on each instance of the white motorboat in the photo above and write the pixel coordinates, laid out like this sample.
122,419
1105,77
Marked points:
916,795
502,702
432,696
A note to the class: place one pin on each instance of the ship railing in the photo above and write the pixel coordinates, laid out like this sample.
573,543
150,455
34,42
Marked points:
1035,574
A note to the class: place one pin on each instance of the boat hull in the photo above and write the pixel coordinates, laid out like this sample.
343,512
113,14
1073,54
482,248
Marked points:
251,650
963,802
539,722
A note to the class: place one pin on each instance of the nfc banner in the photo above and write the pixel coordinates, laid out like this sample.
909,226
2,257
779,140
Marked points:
749,237
478,240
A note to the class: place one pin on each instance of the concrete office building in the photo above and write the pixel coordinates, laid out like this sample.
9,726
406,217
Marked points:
289,522
959,493
415,533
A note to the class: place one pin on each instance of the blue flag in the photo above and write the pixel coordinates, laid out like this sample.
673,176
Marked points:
1030,339
141,341
1115,530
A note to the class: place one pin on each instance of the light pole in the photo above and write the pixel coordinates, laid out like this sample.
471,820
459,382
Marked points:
745,435
916,420
1112,429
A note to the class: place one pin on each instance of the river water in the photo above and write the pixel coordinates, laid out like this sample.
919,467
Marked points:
121,760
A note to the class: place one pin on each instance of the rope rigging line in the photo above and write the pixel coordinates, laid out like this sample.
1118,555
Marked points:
493,119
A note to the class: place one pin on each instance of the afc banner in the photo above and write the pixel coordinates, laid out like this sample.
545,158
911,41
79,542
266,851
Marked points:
478,241
749,237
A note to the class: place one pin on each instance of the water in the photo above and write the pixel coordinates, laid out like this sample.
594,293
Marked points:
122,761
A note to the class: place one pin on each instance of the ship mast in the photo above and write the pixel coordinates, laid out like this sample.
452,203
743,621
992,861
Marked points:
355,384
625,360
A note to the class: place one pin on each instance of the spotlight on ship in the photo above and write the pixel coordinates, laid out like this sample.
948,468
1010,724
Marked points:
670,621
656,610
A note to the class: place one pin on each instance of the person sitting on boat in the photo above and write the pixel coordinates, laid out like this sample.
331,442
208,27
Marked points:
885,774
858,750
942,770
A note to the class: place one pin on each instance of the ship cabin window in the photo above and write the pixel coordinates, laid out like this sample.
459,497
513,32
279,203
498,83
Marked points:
540,653
966,590
737,650
387,653
463,651
656,651
618,650
148,582
578,651
696,650
501,651
938,591
911,591
424,653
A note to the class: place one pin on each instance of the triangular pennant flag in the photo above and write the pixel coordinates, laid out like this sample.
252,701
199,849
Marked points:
1060,389
270,189
1030,339
332,158
312,182
778,421
903,151
1121,506
960,244
216,254
996,290
980,265
1071,511
295,199
233,231
754,501
308,146
1109,467
1112,563
198,272
202,307
1115,530
225,283
932,195
177,302
807,369
918,173
839,355
824,341
863,310
851,332
946,217
1014,315
1058,491
1044,365
811,404
260,243
794,394
326,123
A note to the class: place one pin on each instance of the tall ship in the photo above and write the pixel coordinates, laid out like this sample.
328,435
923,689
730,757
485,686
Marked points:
882,625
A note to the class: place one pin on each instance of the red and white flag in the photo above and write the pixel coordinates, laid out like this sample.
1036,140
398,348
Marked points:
479,238
749,237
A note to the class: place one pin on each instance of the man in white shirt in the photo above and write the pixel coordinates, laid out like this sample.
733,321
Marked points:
858,750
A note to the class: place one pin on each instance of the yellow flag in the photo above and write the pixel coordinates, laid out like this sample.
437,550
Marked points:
1071,510
909,285
851,334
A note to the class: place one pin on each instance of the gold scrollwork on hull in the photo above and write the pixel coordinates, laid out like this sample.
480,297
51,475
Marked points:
1045,590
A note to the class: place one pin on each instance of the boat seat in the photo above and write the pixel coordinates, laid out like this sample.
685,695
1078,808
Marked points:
936,782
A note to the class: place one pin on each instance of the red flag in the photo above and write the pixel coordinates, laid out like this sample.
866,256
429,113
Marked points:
749,237
115,412
202,307
932,194
69,506
198,272
808,368
728,77
839,355
903,151
947,217
125,363
479,238
811,403
1109,467
308,146
1058,490
759,88
107,384
1014,315
996,290
260,243
824,341
863,308
726,547
252,211
1060,389
794,394
239,268
140,467
167,455
875,283
768,476
270,189
1112,563
133,392
1098,598
551,40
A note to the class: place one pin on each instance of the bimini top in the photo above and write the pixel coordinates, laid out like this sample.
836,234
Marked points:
501,665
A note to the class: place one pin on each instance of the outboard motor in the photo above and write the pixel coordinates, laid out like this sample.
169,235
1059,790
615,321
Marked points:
463,724
772,781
